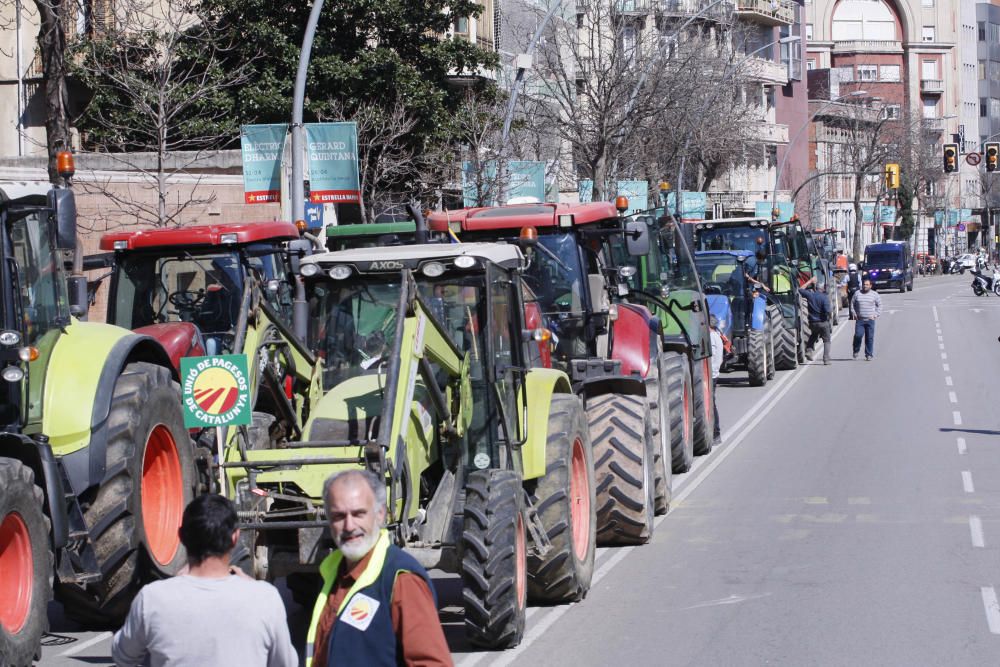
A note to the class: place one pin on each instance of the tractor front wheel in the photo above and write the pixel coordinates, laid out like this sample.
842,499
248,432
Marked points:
25,565
564,500
678,375
658,387
704,410
135,512
757,357
785,354
621,431
494,559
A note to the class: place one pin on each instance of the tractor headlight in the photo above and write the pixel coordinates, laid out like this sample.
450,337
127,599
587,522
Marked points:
12,374
340,272
309,270
432,269
465,261
9,338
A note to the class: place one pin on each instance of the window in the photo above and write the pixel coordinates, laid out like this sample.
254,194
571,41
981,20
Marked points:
981,30
927,33
462,25
809,31
866,72
982,70
892,111
811,63
927,3
930,108
982,107
994,32
888,73
994,108
929,70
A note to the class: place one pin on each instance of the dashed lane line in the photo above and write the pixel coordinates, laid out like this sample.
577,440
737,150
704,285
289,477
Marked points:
961,446
976,530
956,417
947,380
947,368
992,607
87,644
967,482
952,396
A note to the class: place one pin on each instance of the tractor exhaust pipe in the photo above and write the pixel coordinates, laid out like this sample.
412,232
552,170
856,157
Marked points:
420,235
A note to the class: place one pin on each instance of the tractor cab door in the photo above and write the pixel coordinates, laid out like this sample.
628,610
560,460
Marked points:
504,349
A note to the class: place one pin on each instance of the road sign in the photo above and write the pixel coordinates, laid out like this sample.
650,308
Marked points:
973,158
215,391
314,215
961,227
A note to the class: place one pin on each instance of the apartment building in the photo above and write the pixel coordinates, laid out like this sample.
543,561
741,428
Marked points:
903,56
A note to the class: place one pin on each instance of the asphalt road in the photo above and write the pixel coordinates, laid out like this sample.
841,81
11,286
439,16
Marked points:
851,516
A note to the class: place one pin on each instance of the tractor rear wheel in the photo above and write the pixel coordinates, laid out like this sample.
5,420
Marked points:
803,328
623,463
757,357
494,559
564,500
25,565
785,354
657,387
704,411
678,375
134,514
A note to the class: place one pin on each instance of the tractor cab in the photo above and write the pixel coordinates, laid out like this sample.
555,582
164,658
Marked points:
188,287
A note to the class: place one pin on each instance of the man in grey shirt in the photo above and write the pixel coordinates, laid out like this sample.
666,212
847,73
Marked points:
214,614
866,307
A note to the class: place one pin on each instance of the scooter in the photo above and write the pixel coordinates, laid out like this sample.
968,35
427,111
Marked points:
983,284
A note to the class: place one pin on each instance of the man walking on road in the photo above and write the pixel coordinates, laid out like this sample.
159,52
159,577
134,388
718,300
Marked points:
718,352
214,614
866,307
819,319
377,604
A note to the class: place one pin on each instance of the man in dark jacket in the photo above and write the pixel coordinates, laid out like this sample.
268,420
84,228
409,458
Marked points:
819,319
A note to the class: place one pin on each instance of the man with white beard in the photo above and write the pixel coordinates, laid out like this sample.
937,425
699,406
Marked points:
377,605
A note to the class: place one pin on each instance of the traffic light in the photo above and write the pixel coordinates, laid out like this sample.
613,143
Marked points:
891,176
950,154
991,151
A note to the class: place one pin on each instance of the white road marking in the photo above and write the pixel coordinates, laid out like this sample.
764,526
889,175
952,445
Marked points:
940,346
944,355
957,417
967,482
976,528
704,466
977,310
947,368
961,445
935,314
952,396
87,644
940,338
992,607
947,380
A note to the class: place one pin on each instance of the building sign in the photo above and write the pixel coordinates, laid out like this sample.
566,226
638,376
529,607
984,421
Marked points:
262,147
693,205
586,190
764,209
637,193
526,181
332,149
215,391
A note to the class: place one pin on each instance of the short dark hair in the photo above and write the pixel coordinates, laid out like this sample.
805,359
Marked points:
207,527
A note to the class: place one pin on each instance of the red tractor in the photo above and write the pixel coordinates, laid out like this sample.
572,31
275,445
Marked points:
610,348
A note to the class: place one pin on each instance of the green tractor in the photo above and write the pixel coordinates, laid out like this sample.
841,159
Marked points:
96,465
427,375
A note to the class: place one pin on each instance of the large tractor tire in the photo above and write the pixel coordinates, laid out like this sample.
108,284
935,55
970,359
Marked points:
658,395
134,514
494,559
704,410
25,565
804,332
564,500
785,353
678,375
623,468
769,335
757,357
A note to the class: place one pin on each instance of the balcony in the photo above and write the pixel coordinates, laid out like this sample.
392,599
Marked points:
932,86
933,125
770,133
868,46
767,71
688,8
766,12
632,7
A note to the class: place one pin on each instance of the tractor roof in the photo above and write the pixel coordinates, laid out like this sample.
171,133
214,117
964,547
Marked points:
372,229
13,190
517,216
238,233
731,253
502,254
732,222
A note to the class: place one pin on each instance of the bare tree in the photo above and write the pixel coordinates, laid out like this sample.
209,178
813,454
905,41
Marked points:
158,76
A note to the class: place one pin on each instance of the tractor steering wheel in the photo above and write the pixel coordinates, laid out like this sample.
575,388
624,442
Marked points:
186,299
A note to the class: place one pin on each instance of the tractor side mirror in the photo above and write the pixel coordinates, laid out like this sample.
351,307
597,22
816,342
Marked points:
297,249
63,204
637,238
742,259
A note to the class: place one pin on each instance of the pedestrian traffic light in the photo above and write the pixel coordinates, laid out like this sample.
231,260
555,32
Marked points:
891,176
950,154
991,151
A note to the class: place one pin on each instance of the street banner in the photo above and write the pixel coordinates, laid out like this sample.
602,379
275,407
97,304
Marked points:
586,189
333,163
262,147
763,209
215,391
525,180
693,205
479,189
637,193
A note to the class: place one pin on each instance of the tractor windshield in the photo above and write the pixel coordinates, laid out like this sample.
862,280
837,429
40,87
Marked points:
43,301
667,265
556,273
352,323
721,273
731,238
